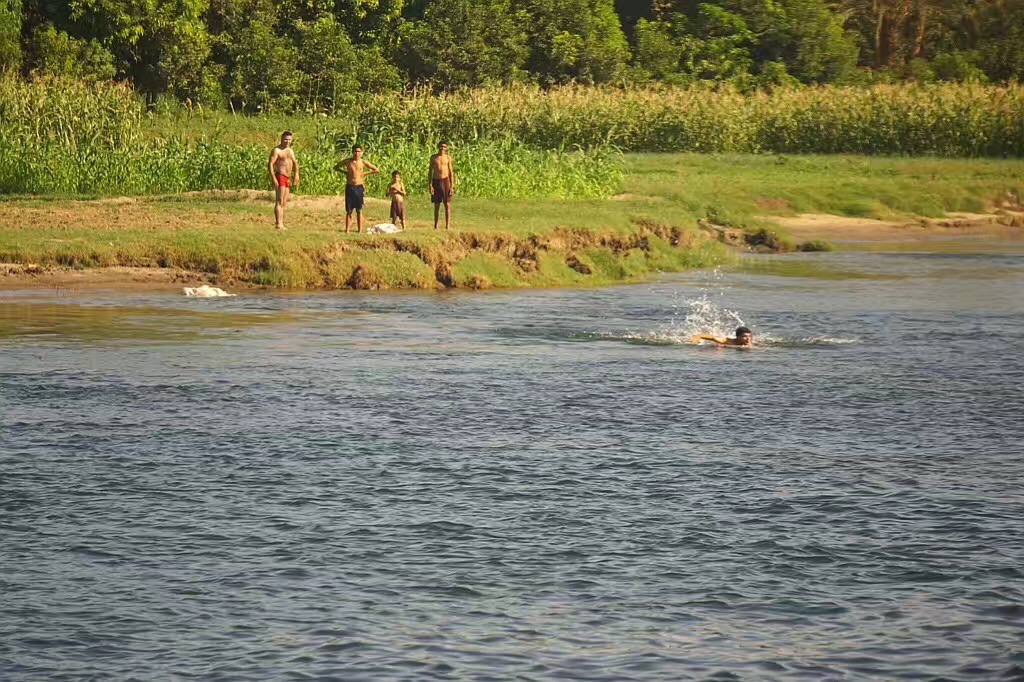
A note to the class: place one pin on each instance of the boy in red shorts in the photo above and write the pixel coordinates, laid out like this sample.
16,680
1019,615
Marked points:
284,174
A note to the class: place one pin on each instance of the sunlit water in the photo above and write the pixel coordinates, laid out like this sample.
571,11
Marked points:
522,485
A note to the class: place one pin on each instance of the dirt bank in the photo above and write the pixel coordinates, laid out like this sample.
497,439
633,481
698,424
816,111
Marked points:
835,228
456,259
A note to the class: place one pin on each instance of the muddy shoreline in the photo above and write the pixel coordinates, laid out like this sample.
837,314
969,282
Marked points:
837,230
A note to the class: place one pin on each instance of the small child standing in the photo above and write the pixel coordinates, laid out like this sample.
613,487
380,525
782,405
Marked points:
396,190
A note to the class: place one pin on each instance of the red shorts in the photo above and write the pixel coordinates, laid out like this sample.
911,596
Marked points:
283,180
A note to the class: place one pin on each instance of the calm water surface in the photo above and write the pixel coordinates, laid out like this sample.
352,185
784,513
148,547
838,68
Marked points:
524,485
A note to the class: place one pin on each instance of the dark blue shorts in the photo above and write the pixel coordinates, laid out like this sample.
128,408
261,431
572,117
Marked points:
354,198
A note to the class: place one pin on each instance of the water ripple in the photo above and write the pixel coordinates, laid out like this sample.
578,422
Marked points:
506,493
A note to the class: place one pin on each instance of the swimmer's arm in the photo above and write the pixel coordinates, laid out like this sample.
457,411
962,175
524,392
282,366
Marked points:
296,162
697,338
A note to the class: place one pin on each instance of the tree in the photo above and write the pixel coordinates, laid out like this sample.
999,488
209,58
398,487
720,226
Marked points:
161,44
461,43
807,37
10,36
262,69
772,40
62,55
988,34
370,22
333,68
658,53
578,40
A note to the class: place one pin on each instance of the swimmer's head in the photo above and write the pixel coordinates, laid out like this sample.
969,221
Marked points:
744,336
395,175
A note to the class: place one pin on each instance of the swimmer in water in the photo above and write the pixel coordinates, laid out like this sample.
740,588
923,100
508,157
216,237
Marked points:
744,337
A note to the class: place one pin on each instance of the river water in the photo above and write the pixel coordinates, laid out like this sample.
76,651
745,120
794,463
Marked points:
526,485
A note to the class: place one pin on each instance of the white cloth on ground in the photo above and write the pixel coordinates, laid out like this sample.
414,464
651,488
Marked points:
384,228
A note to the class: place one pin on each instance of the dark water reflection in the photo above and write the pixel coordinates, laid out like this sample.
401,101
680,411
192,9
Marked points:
524,485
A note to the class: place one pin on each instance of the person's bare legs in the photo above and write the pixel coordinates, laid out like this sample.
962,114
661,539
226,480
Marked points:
437,213
348,221
359,221
448,215
279,204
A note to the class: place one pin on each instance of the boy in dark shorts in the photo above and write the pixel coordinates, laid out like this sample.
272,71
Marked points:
396,190
355,170
442,184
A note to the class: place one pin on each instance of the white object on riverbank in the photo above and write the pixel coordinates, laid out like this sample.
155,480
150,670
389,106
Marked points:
384,228
206,291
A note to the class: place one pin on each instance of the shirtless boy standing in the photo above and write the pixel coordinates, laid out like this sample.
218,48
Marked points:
355,170
284,173
396,190
442,184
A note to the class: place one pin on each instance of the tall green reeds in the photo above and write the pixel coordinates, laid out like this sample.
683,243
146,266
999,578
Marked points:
951,120
67,138
70,138
945,120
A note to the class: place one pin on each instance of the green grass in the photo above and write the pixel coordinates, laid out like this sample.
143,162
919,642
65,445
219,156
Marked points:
736,189
506,243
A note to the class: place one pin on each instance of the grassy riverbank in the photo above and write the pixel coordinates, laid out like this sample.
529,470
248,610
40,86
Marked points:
653,225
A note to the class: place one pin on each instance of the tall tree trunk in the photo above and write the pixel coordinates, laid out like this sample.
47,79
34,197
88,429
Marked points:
883,54
922,18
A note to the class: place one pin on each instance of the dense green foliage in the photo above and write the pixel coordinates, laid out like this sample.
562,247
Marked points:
287,56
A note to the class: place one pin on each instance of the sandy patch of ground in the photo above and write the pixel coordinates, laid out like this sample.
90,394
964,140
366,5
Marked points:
845,228
309,202
160,213
17,276
636,197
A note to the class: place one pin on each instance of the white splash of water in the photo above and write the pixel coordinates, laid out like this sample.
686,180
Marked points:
697,316
702,315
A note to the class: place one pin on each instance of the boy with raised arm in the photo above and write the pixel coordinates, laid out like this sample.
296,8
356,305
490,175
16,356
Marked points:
283,167
356,168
